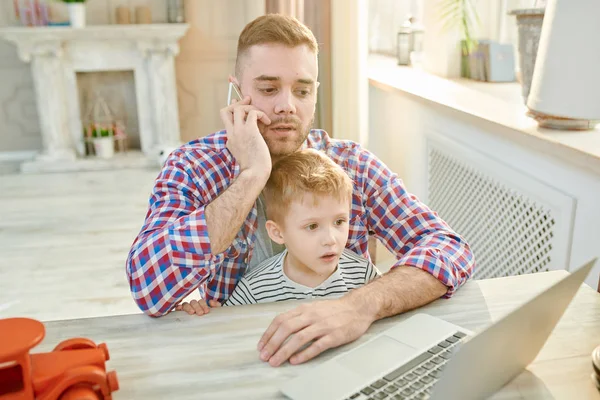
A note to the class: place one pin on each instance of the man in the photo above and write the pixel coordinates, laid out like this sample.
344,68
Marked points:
205,225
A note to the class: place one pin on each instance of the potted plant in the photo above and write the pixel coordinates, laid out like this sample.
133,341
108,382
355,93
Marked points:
76,12
104,141
461,14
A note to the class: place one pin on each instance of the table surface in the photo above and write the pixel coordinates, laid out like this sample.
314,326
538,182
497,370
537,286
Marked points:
214,356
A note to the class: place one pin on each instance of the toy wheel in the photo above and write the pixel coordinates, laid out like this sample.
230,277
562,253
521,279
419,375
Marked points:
75,344
80,393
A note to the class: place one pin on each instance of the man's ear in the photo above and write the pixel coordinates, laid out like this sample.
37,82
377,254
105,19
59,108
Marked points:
274,232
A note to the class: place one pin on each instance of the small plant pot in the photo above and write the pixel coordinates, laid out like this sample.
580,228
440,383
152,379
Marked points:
76,14
104,147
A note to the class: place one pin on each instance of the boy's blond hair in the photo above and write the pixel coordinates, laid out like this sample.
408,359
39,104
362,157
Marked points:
304,172
274,28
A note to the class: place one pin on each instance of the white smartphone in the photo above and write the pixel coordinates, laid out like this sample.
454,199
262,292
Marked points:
234,92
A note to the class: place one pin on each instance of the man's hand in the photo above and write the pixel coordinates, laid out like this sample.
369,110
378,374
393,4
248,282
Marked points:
244,139
329,323
197,307
332,323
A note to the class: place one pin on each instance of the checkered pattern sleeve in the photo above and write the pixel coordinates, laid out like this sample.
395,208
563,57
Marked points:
408,228
172,254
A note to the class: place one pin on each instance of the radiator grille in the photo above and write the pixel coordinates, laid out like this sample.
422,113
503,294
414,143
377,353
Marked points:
509,233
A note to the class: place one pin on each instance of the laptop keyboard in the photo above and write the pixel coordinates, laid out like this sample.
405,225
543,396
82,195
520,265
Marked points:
415,379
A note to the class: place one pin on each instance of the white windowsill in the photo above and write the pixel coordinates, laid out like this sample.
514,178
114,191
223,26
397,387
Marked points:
498,103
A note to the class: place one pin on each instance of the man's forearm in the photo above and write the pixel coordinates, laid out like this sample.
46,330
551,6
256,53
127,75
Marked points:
401,289
226,214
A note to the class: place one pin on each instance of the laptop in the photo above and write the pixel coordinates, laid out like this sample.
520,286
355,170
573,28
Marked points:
425,357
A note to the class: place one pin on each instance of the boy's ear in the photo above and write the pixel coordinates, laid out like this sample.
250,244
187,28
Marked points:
274,232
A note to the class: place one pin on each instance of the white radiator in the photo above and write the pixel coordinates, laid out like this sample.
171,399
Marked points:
510,228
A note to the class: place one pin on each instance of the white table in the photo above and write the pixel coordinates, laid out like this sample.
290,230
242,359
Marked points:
214,356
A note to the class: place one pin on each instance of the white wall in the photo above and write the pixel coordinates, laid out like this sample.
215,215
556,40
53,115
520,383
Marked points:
350,85
19,126
207,57
400,124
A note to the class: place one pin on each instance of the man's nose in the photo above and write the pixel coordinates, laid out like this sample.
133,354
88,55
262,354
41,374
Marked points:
285,103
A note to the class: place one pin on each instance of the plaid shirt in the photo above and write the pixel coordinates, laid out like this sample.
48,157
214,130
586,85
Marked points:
172,254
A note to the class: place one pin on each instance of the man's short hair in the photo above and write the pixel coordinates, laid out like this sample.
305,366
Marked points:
304,172
274,28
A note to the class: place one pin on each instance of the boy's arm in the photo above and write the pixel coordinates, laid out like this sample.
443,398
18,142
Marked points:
242,294
371,272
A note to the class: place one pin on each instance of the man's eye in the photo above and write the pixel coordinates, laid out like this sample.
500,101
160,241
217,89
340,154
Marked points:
312,227
268,90
303,93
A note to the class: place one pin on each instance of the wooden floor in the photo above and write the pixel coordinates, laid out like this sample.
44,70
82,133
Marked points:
64,239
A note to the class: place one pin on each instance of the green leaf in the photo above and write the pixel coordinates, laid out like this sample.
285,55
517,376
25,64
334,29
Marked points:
461,14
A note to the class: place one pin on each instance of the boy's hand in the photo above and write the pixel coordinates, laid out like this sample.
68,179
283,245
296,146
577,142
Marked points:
197,307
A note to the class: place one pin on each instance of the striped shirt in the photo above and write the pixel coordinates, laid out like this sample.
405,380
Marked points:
268,282
172,255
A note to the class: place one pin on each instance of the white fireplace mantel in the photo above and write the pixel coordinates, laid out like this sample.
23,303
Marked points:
56,54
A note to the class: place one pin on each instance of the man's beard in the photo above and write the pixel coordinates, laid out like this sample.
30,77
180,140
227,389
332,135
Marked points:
279,147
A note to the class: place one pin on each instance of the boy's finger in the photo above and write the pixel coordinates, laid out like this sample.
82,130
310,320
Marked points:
205,308
214,303
188,308
197,308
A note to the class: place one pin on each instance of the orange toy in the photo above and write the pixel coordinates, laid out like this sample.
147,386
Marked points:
75,369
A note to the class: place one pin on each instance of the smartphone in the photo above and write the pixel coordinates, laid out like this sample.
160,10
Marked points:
234,92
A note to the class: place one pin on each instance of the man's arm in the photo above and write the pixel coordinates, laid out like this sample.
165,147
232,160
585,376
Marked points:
400,290
332,323
226,214
174,253
186,227
432,261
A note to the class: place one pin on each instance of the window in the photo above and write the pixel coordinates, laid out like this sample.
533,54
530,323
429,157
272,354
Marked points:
385,19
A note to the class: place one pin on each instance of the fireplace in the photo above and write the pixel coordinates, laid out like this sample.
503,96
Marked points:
59,54
117,90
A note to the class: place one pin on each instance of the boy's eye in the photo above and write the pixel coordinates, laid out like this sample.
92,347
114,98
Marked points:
312,227
340,221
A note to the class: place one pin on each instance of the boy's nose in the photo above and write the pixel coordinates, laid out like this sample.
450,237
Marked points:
329,237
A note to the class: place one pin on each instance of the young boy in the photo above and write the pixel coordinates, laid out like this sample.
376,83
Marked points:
308,200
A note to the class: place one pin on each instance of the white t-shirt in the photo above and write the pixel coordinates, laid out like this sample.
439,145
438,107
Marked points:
267,282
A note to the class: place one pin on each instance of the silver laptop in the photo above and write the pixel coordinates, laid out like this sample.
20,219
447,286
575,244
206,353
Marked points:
426,357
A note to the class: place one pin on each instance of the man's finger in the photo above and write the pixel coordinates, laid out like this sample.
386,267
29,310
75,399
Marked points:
239,118
283,332
297,342
262,117
252,117
316,348
227,119
274,325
